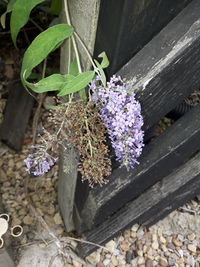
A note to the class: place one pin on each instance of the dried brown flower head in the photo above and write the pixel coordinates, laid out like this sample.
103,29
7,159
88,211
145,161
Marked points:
85,130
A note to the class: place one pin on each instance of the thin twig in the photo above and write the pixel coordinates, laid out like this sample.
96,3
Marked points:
36,25
85,241
188,210
26,37
37,112
86,51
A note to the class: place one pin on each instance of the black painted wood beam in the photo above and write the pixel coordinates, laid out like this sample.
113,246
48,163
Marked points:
165,196
125,26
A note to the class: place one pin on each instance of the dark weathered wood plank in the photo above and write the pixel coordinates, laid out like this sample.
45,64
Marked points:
173,190
164,72
17,113
159,158
125,26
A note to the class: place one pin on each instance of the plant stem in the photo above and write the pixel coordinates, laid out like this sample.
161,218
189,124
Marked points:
69,54
87,52
37,113
66,8
73,39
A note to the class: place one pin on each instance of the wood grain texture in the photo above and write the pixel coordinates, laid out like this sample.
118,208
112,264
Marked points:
125,26
163,73
17,113
173,190
166,70
159,158
67,178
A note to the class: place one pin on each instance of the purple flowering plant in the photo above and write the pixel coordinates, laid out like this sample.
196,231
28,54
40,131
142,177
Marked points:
121,114
39,162
112,105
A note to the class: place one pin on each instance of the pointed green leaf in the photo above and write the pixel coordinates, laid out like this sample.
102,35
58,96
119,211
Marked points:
51,83
9,9
73,69
3,19
20,15
56,7
77,83
41,46
105,61
103,76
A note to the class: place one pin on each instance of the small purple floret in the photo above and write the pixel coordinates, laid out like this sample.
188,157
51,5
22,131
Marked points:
121,114
39,164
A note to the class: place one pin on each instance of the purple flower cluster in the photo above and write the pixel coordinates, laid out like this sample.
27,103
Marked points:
38,163
121,114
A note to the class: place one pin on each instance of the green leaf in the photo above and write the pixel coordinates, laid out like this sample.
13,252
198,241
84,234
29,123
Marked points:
41,46
53,107
103,76
51,83
105,61
77,83
8,10
3,19
20,15
56,6
73,69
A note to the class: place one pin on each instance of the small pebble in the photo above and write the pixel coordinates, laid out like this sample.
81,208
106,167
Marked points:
171,246
190,260
111,246
135,227
155,245
140,233
171,261
114,261
28,220
191,237
57,219
77,264
163,262
129,256
162,240
93,258
106,262
149,263
133,234
141,260
125,246
192,248
116,252
177,242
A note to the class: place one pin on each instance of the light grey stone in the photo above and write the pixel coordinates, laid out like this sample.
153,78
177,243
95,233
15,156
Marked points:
34,256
